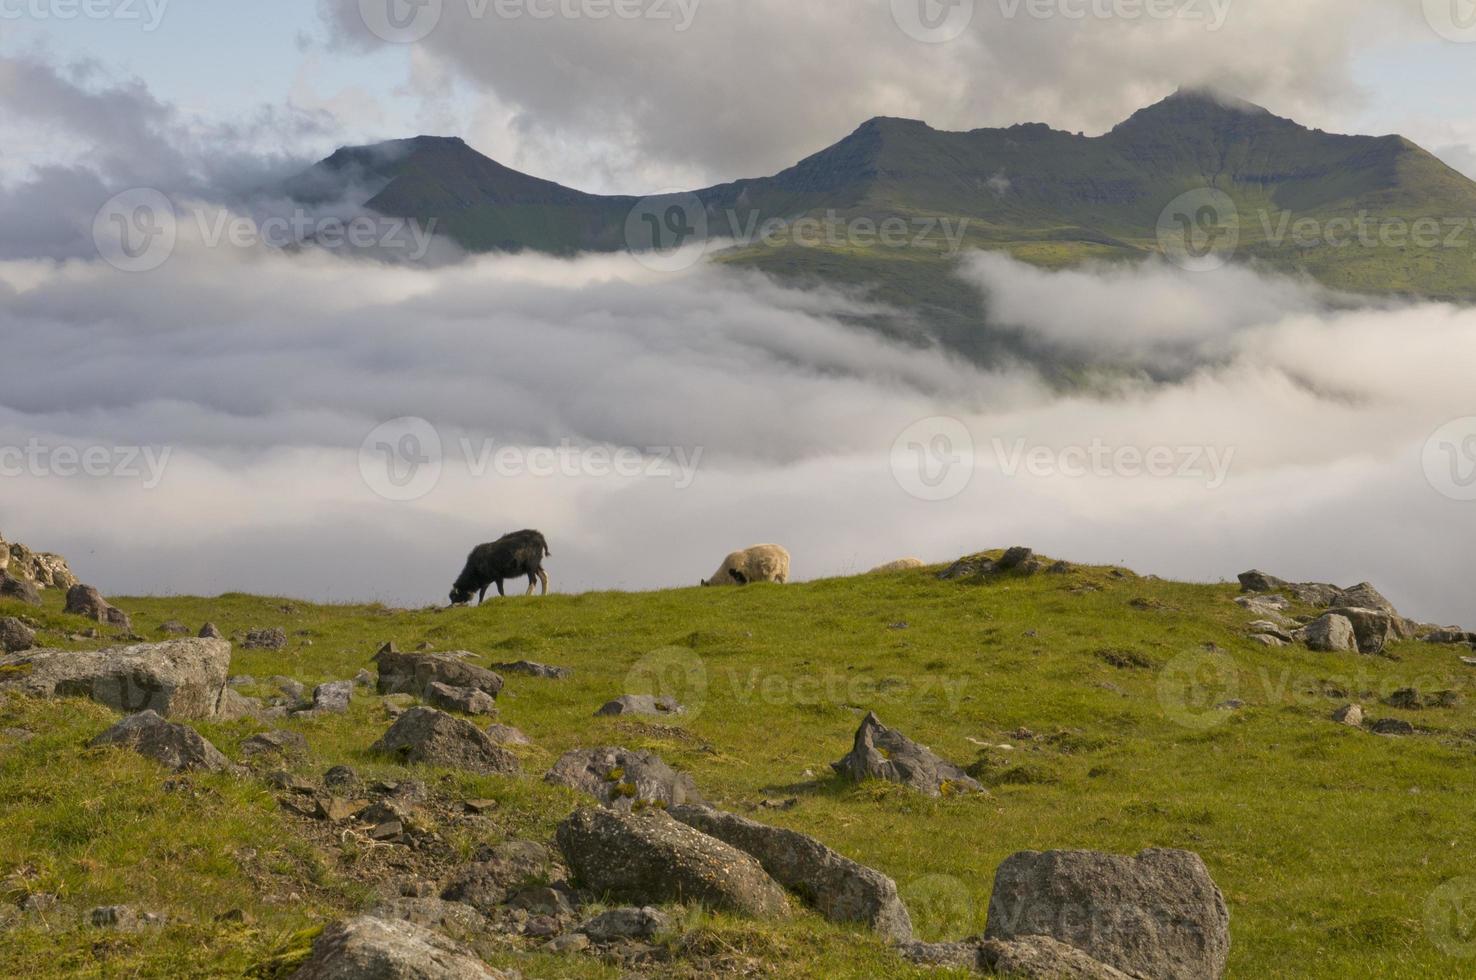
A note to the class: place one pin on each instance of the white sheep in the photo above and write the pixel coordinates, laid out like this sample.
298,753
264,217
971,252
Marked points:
900,565
761,563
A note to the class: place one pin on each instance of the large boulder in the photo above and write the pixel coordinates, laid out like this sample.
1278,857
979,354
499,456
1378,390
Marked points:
1256,580
413,673
1372,628
1330,634
19,590
15,636
42,569
1157,914
431,737
1365,596
178,747
621,779
880,752
369,948
837,887
178,679
649,858
84,600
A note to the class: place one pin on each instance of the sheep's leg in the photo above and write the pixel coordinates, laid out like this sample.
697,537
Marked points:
499,588
482,596
531,579
543,577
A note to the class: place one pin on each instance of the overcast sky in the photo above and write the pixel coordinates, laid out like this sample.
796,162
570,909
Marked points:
257,392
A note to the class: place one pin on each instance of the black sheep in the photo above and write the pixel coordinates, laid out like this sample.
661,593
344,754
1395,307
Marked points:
519,553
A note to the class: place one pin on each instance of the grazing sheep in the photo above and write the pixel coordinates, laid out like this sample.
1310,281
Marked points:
761,563
519,553
900,565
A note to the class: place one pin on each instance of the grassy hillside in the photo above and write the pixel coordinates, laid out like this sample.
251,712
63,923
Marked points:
1326,841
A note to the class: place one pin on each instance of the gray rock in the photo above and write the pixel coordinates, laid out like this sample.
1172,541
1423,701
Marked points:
1157,914
467,700
293,689
265,638
1043,958
19,590
1256,580
234,705
1267,628
84,600
1365,596
530,669
1372,628
1450,635
880,752
621,779
486,884
1392,726
412,673
1021,561
962,955
371,948
15,636
1330,634
431,737
178,747
332,698
648,858
433,913
507,735
1319,595
627,923
640,704
837,887
277,742
210,632
174,628
123,918
1350,715
364,679
177,678
1410,699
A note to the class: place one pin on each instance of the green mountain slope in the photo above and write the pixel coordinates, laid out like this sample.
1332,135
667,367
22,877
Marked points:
1297,197
1065,694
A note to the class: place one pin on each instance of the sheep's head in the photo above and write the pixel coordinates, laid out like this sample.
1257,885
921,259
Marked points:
460,597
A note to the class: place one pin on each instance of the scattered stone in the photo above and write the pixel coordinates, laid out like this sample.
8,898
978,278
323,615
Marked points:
623,780
839,888
234,705
176,746
434,913
1319,595
387,831
210,632
177,678
342,779
467,700
574,942
487,884
619,924
1392,726
431,737
84,600
1256,580
1267,640
370,948
1043,958
123,918
332,698
1409,699
174,628
480,806
507,735
293,689
541,900
1365,596
15,636
1329,634
265,638
412,673
1373,628
364,679
880,752
19,590
1157,914
650,858
531,669
1272,630
277,742
1021,561
640,704
335,809
1350,715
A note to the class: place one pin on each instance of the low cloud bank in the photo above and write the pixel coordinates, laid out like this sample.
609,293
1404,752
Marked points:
650,423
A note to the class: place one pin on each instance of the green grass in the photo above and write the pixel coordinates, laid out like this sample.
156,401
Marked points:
1326,841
